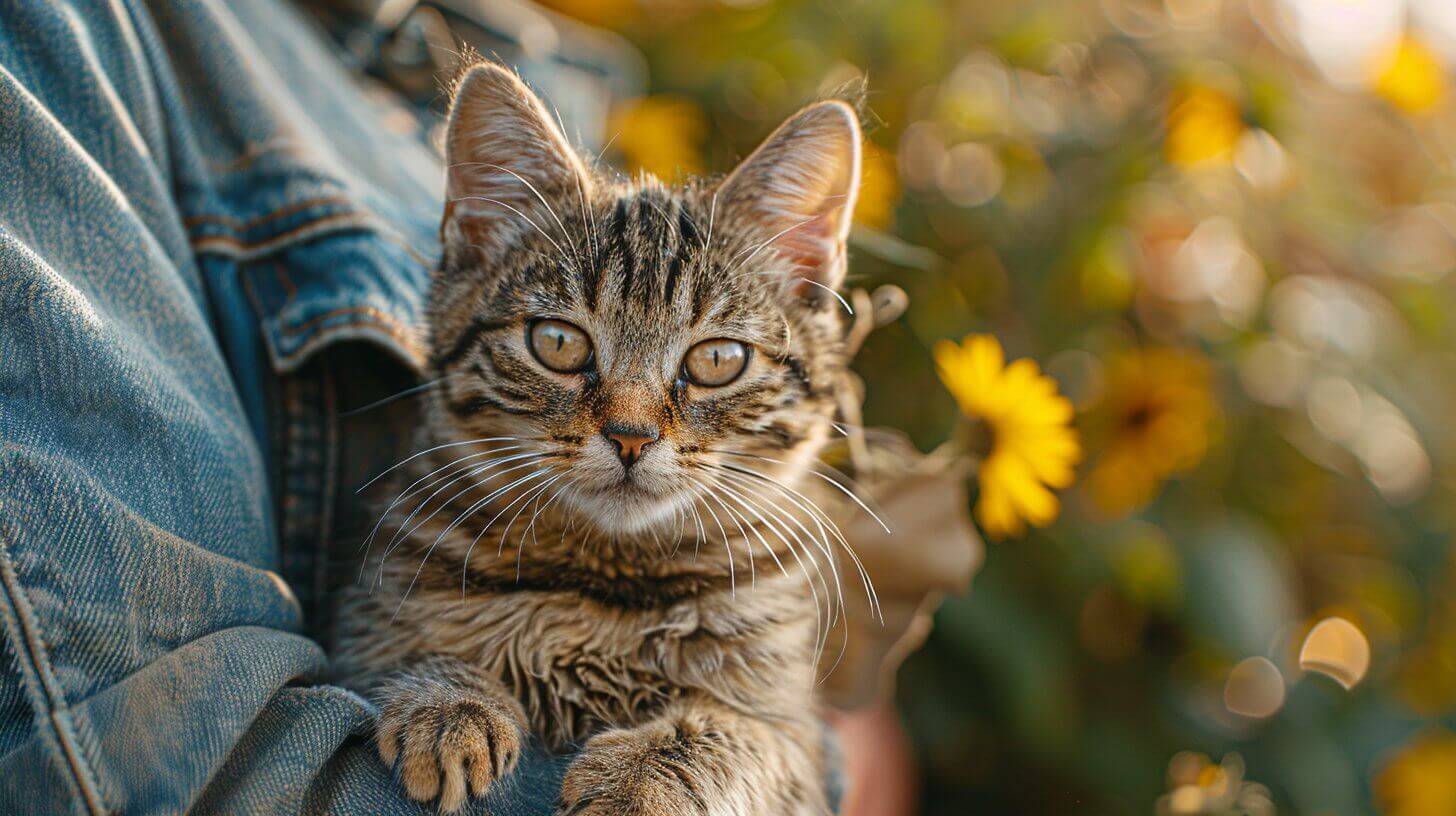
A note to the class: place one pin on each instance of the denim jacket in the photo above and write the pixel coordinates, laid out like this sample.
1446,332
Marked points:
213,241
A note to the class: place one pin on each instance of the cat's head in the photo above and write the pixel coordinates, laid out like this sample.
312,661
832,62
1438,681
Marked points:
659,343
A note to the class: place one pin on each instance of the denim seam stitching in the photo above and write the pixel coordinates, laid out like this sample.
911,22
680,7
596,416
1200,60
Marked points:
382,319
46,696
405,348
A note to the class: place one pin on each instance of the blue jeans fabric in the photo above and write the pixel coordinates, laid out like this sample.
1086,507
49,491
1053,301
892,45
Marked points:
197,201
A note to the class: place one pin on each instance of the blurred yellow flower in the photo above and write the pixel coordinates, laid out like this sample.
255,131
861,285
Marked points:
1421,779
662,135
1410,76
1032,446
1153,421
1204,125
879,189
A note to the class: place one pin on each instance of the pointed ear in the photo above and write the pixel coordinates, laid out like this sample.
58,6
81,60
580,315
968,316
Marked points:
505,157
799,188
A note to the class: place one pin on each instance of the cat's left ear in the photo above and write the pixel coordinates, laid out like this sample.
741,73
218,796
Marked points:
799,187
506,159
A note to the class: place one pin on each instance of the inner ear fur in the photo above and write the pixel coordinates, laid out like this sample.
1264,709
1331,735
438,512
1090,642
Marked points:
798,190
505,155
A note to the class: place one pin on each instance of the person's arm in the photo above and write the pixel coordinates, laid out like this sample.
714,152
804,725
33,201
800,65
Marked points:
182,229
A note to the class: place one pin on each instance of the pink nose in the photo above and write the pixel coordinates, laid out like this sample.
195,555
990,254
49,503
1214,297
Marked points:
629,441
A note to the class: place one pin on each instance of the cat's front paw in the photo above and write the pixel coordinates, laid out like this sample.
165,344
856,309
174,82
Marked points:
448,741
647,771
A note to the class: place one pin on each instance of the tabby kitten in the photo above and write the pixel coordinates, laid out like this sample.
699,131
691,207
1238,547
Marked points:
611,541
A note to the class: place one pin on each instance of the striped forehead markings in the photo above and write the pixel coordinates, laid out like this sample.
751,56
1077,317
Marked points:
687,238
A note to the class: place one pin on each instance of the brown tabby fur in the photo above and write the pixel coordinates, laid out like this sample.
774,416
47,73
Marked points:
664,616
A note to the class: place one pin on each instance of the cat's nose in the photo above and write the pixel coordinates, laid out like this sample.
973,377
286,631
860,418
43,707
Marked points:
628,440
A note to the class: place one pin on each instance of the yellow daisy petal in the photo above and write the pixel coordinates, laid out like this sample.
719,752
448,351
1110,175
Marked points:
1033,448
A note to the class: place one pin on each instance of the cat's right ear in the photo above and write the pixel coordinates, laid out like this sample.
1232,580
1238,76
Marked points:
505,158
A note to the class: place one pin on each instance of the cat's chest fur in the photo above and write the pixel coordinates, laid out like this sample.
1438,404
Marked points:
586,638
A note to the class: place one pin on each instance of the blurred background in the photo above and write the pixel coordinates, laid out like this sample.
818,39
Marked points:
1226,229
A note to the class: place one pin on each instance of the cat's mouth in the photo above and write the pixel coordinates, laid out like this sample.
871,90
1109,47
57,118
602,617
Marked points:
626,502
640,489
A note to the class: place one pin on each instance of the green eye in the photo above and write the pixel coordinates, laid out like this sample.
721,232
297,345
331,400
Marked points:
560,346
715,363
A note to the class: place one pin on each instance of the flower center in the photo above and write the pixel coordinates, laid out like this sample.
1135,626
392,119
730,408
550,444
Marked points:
980,437
1139,417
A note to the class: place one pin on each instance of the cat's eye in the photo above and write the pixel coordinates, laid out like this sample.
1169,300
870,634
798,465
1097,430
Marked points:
560,346
715,363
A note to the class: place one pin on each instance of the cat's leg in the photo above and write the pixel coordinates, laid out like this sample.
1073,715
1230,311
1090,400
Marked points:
451,729
700,759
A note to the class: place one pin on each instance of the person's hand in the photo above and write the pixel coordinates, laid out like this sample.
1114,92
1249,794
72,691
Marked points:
878,762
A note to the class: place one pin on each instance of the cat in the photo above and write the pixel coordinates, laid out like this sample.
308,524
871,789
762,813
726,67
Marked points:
610,541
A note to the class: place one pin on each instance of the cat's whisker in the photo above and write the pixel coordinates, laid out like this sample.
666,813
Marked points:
822,543
763,522
404,533
608,145
586,211
727,547
712,211
872,596
833,604
547,470
820,631
533,495
727,542
415,456
411,491
589,216
760,247
681,518
536,514
816,515
835,484
565,233
415,489
430,551
469,471
408,392
523,216
469,511
831,290
698,520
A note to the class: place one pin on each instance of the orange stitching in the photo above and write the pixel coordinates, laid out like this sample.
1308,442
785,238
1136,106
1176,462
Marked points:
361,218
383,321
286,281
233,241
282,212
254,152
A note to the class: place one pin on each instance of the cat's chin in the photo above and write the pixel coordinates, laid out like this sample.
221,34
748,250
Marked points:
626,509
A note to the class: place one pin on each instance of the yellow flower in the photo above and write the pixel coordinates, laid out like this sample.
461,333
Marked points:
1410,76
1032,445
1421,779
879,189
1153,421
662,135
1204,125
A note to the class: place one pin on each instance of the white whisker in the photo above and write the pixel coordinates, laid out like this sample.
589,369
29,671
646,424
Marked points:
523,216
432,450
